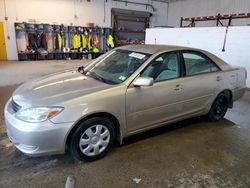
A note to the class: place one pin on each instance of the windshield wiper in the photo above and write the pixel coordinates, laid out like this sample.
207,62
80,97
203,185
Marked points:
98,77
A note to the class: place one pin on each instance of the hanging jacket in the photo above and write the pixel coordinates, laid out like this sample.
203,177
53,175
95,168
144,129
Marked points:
47,39
21,41
96,44
50,42
44,41
65,41
83,41
110,41
54,41
32,41
79,40
58,42
75,41
27,40
39,40
88,42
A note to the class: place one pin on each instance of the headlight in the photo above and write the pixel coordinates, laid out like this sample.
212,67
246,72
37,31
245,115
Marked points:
39,114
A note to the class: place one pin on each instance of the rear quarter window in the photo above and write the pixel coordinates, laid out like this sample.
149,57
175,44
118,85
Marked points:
197,63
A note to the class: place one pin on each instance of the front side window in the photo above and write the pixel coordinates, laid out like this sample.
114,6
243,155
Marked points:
196,63
117,66
164,67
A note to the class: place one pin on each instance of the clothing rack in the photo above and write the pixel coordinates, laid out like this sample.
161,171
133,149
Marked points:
59,35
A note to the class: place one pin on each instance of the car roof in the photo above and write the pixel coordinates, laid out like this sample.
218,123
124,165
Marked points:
152,49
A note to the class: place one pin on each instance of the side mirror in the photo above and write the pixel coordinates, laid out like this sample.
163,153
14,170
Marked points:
143,81
81,69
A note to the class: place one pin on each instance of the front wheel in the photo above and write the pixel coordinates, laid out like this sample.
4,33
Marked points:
219,108
92,139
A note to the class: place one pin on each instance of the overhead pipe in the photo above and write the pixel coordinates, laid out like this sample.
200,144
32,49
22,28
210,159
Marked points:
161,1
136,3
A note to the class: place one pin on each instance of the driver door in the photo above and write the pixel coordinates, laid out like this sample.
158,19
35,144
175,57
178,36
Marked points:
152,105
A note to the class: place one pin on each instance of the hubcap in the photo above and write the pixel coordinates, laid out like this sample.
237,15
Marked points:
94,140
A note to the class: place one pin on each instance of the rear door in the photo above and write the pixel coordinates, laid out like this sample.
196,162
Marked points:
201,81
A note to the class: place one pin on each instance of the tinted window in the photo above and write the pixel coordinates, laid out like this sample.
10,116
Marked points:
196,63
164,67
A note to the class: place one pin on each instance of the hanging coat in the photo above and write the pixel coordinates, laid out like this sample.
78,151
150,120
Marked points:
21,41
58,42
27,40
39,40
44,43
32,41
83,41
95,43
110,41
75,41
88,42
50,41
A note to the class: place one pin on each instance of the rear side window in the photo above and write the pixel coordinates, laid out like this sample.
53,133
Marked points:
196,63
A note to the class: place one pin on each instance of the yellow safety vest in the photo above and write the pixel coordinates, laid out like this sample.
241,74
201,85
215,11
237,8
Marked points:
88,42
96,44
60,41
78,40
75,41
110,41
83,41
96,50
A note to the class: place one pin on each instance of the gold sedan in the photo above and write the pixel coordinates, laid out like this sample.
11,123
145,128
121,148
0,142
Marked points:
126,91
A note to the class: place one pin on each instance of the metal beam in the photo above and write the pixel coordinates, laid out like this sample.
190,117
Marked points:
161,1
136,3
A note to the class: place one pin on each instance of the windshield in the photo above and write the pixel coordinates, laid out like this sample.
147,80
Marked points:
117,66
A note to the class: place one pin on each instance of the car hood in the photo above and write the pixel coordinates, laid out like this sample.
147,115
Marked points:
56,88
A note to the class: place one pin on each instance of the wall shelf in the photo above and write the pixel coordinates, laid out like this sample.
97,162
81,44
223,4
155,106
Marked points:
129,26
131,19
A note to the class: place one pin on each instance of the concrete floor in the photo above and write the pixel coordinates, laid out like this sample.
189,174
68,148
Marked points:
16,72
191,153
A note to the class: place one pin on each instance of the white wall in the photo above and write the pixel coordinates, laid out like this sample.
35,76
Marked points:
64,11
210,39
195,8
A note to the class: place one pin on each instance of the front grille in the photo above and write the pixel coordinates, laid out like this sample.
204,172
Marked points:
15,106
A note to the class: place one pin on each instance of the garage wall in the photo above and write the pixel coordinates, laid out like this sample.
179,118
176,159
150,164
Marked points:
195,8
210,39
76,12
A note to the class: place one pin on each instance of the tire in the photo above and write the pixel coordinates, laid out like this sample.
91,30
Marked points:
96,135
219,108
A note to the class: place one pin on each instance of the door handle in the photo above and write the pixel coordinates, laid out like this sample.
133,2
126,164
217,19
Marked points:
218,78
178,87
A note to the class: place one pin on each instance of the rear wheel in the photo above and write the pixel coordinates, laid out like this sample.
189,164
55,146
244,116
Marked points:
92,139
219,108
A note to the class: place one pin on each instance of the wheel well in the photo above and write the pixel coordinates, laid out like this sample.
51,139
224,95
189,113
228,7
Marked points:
229,95
111,117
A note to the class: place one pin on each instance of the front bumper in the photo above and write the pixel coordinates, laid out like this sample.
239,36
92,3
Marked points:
36,139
